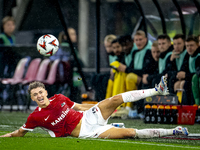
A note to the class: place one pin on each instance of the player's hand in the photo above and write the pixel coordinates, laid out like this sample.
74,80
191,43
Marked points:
144,78
180,75
121,67
174,55
6,135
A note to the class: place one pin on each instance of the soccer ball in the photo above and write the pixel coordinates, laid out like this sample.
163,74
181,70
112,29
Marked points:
47,45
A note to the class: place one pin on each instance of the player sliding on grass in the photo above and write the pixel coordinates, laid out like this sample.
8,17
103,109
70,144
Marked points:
61,117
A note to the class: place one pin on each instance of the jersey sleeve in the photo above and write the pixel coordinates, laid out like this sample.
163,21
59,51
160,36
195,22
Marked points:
30,124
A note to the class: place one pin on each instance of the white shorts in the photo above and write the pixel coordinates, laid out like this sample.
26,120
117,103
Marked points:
93,123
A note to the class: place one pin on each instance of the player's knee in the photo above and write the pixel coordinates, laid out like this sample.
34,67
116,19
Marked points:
130,133
116,99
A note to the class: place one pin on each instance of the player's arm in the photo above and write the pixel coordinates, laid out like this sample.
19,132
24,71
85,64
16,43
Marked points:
18,133
82,107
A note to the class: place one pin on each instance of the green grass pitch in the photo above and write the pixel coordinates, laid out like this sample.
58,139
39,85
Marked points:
40,140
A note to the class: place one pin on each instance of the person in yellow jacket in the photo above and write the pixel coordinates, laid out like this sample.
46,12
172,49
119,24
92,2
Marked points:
7,38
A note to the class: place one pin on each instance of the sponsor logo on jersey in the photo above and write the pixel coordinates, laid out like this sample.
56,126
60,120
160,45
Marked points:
61,117
63,104
94,110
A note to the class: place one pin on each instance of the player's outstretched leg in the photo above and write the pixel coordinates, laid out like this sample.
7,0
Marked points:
160,89
151,133
109,105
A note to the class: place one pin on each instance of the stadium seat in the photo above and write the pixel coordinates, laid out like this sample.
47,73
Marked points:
16,82
40,74
19,72
31,72
51,79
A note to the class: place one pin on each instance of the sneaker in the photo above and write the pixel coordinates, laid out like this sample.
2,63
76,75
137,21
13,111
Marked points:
180,131
162,86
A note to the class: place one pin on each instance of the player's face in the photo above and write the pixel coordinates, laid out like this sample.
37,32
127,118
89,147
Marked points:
108,47
191,47
163,45
140,41
9,27
155,53
117,48
178,45
39,95
72,35
127,46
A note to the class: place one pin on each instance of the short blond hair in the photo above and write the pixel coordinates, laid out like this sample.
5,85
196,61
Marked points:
140,32
6,19
110,38
155,44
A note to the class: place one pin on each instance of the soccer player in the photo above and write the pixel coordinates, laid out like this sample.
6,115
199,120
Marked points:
61,117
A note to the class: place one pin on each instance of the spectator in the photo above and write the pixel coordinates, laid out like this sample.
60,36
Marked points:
7,38
141,57
178,62
64,54
153,70
193,50
165,48
108,46
116,84
140,61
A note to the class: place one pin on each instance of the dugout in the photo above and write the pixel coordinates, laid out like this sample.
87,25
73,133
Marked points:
94,19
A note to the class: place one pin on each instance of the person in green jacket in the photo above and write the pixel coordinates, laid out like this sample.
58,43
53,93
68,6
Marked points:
190,80
7,38
108,46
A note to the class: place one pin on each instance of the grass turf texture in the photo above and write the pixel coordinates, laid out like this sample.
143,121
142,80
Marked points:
39,139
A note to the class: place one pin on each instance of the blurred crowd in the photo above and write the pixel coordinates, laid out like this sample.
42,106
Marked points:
137,63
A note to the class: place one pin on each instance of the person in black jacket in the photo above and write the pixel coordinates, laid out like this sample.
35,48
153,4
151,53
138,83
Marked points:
165,48
178,62
153,69
184,77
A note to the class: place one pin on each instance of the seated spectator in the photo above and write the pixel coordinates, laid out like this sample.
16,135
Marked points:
116,84
193,50
165,48
178,62
153,70
140,61
7,38
64,53
108,46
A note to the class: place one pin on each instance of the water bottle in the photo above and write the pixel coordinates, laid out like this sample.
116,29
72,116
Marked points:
154,114
174,115
147,116
166,117
119,125
160,114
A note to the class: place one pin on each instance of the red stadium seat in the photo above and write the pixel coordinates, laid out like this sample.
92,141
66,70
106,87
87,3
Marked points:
51,79
31,72
41,73
19,72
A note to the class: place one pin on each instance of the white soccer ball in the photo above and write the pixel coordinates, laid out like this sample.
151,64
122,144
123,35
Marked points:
47,45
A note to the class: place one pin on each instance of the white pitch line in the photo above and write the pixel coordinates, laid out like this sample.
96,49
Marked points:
142,143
